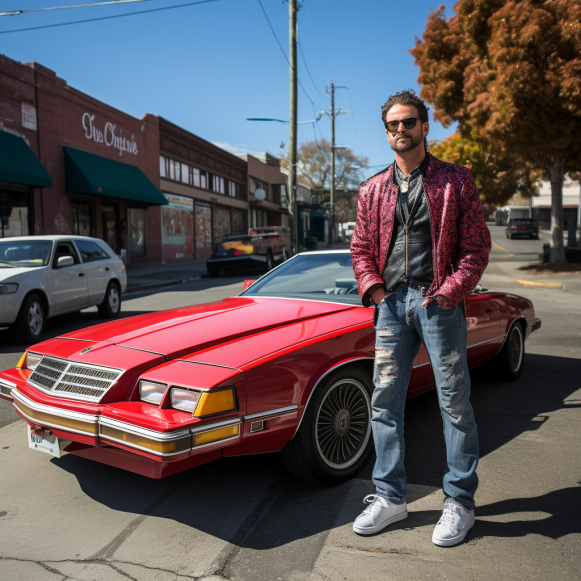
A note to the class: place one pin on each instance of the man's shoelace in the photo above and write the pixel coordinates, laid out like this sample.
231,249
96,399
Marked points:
448,516
370,500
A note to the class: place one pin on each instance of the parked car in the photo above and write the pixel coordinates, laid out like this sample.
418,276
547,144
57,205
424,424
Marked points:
285,367
44,276
522,228
262,246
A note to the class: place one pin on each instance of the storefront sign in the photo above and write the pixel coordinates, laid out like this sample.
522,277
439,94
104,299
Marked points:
111,136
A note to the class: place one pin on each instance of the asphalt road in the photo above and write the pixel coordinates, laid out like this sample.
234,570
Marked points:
246,519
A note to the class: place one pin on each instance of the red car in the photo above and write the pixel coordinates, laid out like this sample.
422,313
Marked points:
284,367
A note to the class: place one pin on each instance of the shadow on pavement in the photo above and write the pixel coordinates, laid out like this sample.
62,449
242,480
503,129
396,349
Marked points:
253,503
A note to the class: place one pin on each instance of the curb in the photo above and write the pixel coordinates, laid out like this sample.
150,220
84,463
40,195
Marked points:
542,284
145,288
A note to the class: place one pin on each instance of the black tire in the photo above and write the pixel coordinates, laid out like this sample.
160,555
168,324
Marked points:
213,271
334,441
31,320
110,308
269,262
508,364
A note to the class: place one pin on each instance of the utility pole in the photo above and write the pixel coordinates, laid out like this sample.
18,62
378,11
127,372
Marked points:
332,183
292,143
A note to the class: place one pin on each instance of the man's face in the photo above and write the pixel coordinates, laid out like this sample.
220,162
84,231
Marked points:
404,139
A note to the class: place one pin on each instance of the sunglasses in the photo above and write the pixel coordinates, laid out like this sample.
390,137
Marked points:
408,123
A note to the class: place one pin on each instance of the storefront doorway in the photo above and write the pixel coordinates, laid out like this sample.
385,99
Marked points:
111,233
82,218
177,229
203,231
15,212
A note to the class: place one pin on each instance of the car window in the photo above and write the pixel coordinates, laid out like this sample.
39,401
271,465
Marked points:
26,253
324,277
64,249
90,251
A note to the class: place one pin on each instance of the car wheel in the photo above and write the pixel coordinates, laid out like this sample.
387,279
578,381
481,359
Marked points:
213,271
111,305
509,362
269,262
334,441
31,319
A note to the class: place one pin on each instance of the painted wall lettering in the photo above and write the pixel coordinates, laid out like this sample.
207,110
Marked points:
111,136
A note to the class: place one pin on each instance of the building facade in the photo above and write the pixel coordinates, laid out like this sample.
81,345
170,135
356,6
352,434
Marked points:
264,174
206,190
103,165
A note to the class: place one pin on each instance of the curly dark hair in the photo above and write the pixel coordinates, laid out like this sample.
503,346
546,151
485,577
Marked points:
408,97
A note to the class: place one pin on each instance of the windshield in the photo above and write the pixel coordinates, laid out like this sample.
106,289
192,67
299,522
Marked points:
25,253
319,277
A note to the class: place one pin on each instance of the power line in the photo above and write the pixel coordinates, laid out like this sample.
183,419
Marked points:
108,17
319,40
284,54
109,2
308,71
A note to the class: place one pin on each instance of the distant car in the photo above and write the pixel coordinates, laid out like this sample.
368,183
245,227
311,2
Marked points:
265,245
44,276
286,367
522,228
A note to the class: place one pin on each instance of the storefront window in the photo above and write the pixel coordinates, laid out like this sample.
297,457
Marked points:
111,231
221,223
162,166
82,218
185,173
196,176
238,222
15,214
203,231
137,226
177,230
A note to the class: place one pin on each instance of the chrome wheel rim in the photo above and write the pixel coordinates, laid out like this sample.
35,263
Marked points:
35,318
343,425
114,299
515,349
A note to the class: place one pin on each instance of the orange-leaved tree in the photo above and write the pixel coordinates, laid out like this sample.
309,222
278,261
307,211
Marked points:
511,71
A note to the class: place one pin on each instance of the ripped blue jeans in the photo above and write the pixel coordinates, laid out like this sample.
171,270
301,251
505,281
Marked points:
402,326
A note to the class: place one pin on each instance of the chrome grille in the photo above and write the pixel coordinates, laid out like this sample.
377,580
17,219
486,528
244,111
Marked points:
71,379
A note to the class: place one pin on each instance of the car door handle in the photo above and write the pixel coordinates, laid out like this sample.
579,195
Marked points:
81,274
107,268
488,310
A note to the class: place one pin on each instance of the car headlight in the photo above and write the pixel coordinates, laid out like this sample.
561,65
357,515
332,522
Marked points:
184,399
215,402
8,289
29,360
151,391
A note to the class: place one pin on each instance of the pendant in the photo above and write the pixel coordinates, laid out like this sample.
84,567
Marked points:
404,186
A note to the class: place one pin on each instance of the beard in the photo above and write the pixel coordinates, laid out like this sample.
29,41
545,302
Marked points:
411,143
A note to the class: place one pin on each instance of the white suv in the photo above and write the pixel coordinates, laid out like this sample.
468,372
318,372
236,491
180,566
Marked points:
44,276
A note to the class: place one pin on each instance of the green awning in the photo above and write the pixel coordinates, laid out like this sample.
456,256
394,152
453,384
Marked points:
86,173
19,165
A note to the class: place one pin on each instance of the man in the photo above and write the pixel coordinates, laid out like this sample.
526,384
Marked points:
419,247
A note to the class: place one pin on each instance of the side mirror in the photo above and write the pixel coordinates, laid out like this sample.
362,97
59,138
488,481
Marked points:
247,283
65,261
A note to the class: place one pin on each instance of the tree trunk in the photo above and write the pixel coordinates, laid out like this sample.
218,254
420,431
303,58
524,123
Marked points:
556,174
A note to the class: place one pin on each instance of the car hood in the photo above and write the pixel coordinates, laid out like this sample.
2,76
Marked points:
182,332
8,273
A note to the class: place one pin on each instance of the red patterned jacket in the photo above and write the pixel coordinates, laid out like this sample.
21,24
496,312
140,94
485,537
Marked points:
460,237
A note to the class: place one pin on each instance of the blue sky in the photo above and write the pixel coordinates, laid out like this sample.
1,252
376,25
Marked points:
209,67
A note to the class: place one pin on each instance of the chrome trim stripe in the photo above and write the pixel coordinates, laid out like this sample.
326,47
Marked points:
47,409
321,379
151,434
7,383
286,410
73,339
51,425
487,341
211,364
138,447
215,426
305,300
138,349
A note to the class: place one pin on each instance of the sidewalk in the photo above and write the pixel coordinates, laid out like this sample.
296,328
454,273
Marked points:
151,276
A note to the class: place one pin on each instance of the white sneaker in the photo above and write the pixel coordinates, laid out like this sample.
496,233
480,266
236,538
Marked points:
453,525
379,514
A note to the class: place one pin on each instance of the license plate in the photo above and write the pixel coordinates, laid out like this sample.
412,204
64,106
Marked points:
44,441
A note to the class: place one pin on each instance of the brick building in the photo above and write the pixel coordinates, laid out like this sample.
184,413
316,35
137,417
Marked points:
103,164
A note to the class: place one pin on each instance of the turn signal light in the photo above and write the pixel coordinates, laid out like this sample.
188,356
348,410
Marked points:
215,435
215,402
